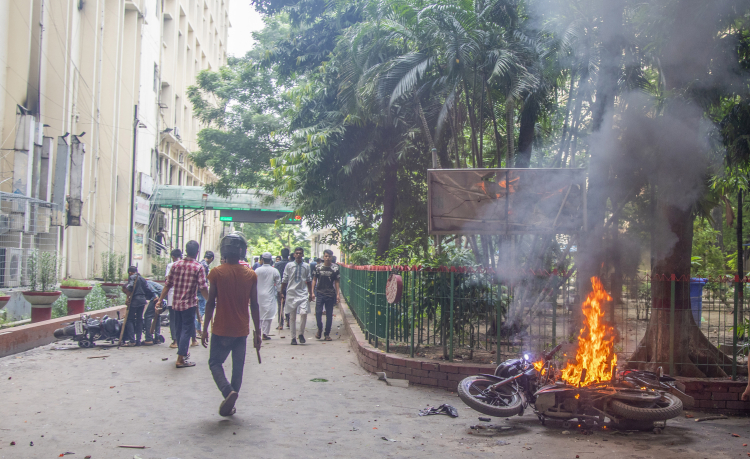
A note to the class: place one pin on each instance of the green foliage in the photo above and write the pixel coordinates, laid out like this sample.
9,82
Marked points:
60,307
74,283
708,259
113,266
272,238
97,299
43,271
159,267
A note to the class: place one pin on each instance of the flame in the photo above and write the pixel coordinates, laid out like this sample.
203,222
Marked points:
539,365
594,343
578,396
510,185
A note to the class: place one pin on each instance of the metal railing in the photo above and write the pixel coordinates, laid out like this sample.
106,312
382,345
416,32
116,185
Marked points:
452,313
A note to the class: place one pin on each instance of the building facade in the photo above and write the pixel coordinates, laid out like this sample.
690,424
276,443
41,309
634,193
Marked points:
94,118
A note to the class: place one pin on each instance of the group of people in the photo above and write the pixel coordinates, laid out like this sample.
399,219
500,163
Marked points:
229,295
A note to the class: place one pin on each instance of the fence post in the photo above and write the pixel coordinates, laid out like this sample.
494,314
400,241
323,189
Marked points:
375,307
387,317
671,328
411,327
737,286
450,355
497,319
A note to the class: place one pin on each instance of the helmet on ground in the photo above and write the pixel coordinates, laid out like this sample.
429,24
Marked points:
233,245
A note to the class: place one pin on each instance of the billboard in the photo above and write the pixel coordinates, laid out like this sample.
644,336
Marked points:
506,201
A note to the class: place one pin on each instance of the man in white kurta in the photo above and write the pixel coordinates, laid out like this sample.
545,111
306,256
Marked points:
269,281
296,291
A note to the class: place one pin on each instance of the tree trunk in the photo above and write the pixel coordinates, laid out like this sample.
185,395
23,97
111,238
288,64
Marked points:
389,207
509,131
526,135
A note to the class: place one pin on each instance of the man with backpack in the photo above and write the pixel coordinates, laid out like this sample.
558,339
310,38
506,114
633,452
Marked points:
139,295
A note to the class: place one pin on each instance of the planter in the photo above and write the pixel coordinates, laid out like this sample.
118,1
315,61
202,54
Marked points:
76,298
41,304
3,301
111,289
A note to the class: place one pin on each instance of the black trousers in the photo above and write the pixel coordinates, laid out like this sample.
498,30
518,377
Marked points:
221,346
134,326
324,303
149,315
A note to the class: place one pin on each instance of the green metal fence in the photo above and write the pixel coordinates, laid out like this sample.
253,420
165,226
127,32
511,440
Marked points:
453,314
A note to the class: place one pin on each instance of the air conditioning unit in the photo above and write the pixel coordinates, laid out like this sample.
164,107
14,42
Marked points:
42,221
181,158
4,224
176,132
16,222
10,264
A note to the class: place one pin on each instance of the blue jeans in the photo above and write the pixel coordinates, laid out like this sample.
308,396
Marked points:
324,302
221,346
185,329
201,309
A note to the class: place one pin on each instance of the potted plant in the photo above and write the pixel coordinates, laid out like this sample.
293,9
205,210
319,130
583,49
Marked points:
112,272
76,292
42,271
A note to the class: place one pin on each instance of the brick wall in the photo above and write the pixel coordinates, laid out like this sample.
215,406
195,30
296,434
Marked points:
710,394
719,395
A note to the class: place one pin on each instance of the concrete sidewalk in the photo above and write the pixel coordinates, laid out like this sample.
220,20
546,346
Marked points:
63,401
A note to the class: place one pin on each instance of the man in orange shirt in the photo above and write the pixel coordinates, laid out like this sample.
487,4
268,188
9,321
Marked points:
234,286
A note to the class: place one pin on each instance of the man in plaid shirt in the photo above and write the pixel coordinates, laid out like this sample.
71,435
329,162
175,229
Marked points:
187,277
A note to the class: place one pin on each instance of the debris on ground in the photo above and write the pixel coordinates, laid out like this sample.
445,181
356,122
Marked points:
735,435
485,419
711,418
12,443
502,443
132,446
442,409
490,427
319,380
98,357
388,439
392,382
566,432
165,358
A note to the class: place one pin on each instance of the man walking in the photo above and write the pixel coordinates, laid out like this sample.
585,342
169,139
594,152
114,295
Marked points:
269,283
326,290
139,293
150,314
256,263
208,258
296,293
187,278
280,265
176,255
234,286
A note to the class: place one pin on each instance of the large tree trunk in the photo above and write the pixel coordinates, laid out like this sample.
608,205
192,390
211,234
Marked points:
389,207
526,135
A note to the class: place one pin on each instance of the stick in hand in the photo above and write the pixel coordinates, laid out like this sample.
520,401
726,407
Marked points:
257,351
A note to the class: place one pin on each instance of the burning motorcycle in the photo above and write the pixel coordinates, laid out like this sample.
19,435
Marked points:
589,390
86,331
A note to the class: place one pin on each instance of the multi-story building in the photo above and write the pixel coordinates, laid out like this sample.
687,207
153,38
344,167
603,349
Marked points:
94,117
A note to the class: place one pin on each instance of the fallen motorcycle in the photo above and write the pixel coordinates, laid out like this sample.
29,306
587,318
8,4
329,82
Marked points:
636,399
87,331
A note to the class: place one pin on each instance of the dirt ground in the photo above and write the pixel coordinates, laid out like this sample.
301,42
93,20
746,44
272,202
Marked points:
65,401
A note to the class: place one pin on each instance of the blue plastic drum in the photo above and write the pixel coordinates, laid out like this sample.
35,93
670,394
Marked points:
696,297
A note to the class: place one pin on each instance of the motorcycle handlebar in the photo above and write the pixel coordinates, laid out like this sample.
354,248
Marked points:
552,352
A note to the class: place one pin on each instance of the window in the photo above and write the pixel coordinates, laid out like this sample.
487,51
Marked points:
156,76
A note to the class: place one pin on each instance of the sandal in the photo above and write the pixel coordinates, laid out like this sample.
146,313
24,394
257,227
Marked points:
147,343
127,344
327,338
185,364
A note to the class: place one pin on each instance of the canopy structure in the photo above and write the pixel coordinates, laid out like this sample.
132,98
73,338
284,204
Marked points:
195,197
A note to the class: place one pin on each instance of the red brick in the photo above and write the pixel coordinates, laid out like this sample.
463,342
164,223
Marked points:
430,366
396,376
469,370
381,360
395,360
438,375
429,381
455,377
448,368
717,388
391,368
738,405
420,373
414,379
445,383
739,388
724,396
414,364
711,404
701,396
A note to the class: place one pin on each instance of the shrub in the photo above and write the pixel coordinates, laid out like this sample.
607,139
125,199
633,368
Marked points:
74,283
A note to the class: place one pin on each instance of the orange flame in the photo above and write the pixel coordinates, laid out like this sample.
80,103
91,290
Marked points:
539,365
594,343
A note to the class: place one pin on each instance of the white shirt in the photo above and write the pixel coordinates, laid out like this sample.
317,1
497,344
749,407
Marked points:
170,294
269,280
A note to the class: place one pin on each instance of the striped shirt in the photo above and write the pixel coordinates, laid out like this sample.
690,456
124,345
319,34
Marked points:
186,277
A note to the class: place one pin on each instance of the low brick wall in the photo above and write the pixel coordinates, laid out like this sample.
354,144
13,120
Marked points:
18,339
417,371
718,395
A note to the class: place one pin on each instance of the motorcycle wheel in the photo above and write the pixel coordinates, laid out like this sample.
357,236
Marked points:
667,407
84,343
502,404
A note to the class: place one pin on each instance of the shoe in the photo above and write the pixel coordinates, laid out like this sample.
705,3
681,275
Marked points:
280,327
288,327
317,335
266,336
301,339
173,345
227,406
328,338
294,341
147,343
194,343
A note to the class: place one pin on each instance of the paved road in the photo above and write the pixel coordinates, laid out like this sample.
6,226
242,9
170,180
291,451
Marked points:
63,401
